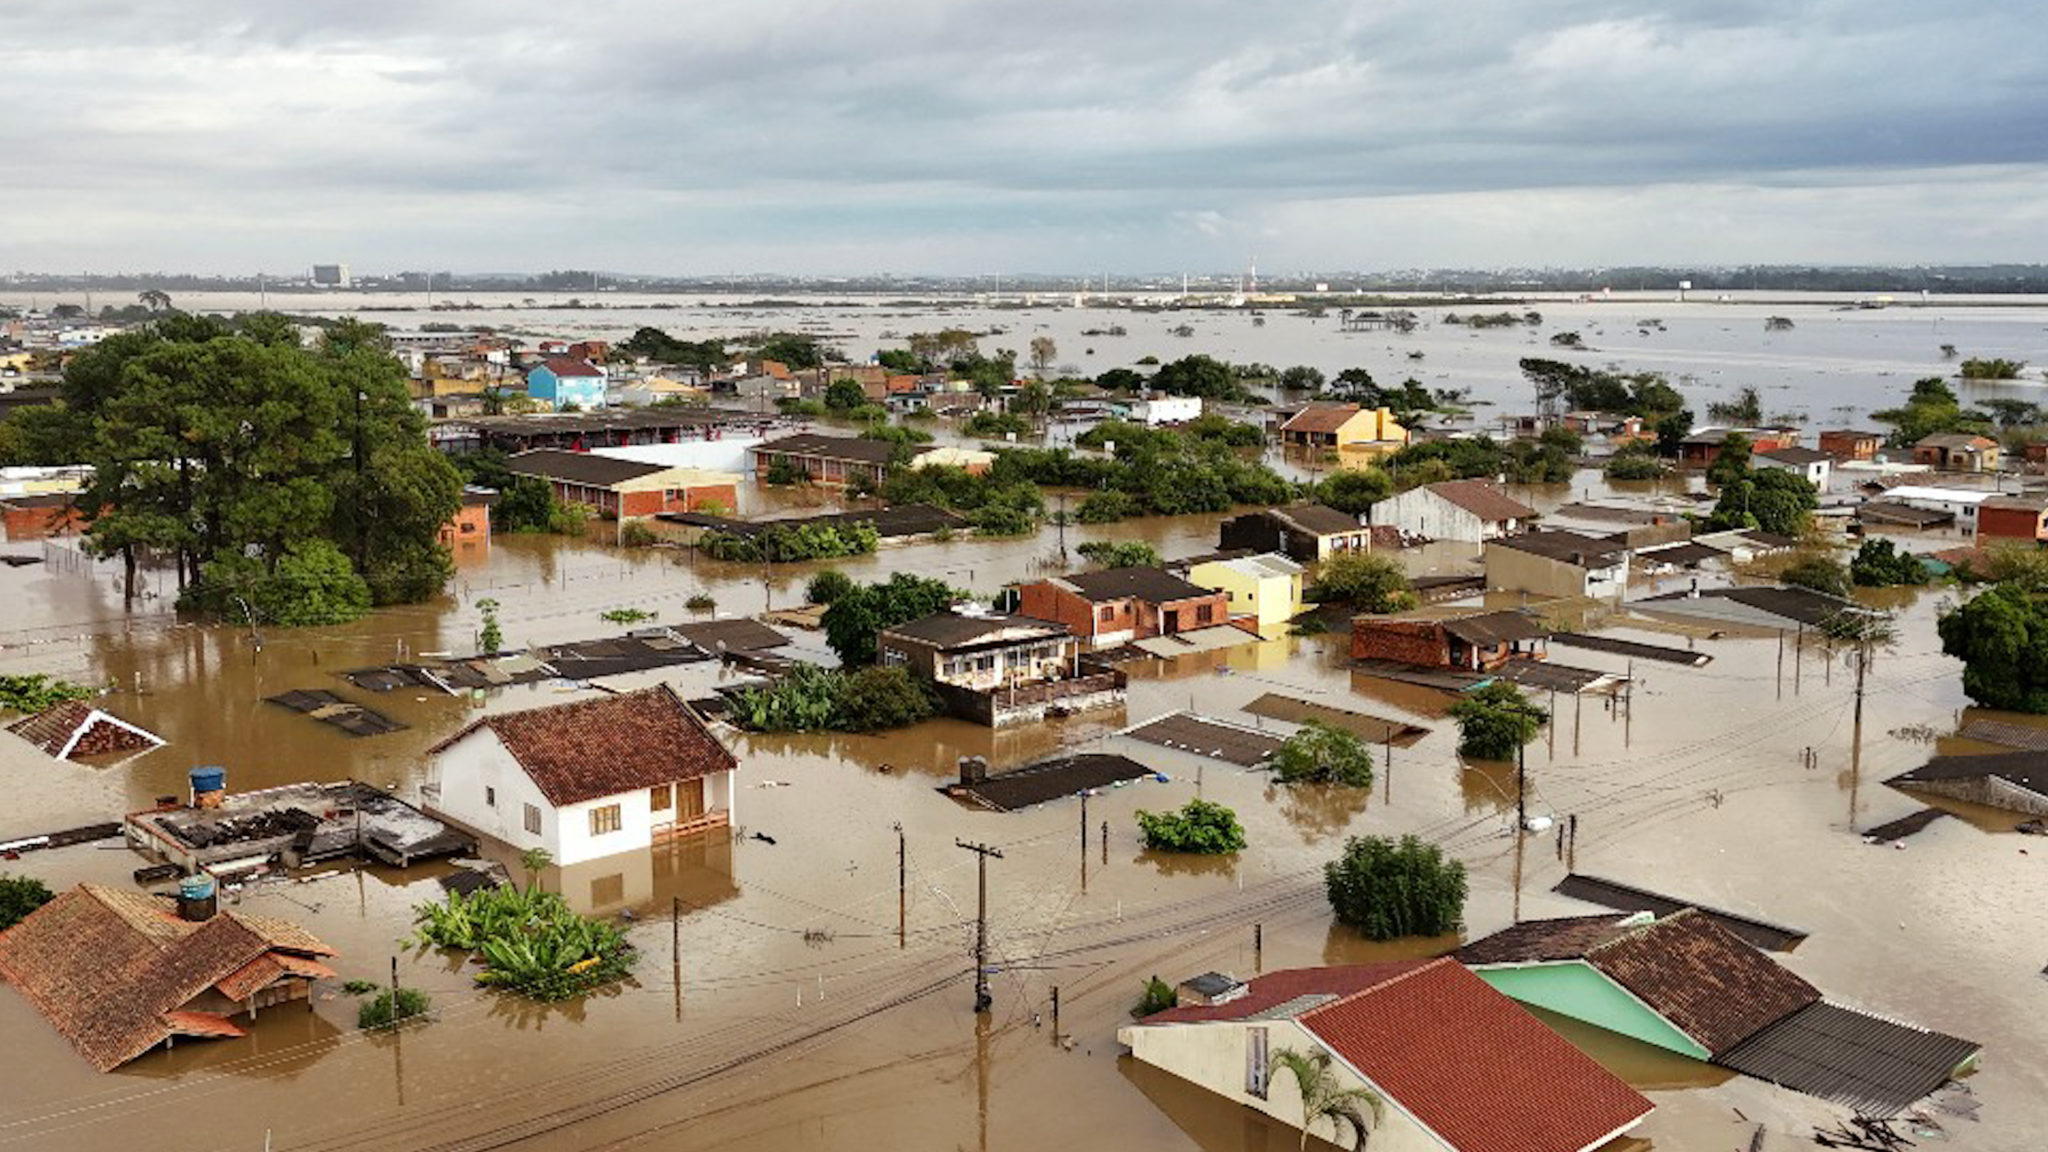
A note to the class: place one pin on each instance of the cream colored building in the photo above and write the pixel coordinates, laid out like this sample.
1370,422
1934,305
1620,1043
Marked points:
1267,587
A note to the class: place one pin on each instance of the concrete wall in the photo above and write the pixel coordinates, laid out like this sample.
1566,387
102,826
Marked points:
1269,600
477,762
1212,1056
1576,989
1513,570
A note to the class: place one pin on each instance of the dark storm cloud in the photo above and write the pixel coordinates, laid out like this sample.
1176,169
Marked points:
800,134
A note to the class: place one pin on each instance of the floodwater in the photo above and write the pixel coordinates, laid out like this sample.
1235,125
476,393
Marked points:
782,1008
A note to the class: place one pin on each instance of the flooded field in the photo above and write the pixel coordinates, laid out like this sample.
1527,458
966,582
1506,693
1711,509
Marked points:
787,997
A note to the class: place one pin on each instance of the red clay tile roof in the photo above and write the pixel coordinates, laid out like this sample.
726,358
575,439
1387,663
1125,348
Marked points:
1475,1067
1714,986
202,1024
105,966
1537,941
607,746
77,728
1483,499
1321,417
1462,1059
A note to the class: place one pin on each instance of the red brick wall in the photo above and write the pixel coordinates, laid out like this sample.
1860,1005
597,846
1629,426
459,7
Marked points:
726,496
643,503
1187,610
1043,601
2008,524
471,522
1409,641
35,522
1848,447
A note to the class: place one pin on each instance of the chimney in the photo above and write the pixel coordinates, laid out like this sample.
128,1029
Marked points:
973,769
196,899
209,785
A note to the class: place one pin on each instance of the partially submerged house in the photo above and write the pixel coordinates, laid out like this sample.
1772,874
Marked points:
999,670
1304,532
118,972
1704,446
1961,503
1774,609
1323,424
626,488
1118,605
1476,642
1264,589
587,779
1560,564
2014,781
1458,1066
1957,452
834,460
1812,466
1686,984
1470,511
1845,444
76,729
2020,518
567,381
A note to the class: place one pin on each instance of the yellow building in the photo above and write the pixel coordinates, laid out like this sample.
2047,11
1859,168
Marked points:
1325,425
1266,587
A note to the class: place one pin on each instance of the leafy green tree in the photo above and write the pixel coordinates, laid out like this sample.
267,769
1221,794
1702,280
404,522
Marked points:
845,393
1782,502
390,1007
1200,827
19,896
491,638
791,348
1120,380
901,361
1322,754
1819,572
1158,997
874,698
1105,507
1496,719
2001,636
827,586
1368,581
1746,408
1199,375
1732,463
1672,429
1043,353
312,583
1931,407
1301,378
1388,889
1119,553
856,617
1325,1099
1354,490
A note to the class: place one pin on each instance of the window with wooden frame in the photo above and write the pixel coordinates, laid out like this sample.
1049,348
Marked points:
533,819
605,819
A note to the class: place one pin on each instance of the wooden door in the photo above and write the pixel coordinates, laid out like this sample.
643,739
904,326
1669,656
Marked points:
661,803
689,801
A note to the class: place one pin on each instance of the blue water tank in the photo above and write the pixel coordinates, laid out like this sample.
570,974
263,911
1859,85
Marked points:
199,887
209,778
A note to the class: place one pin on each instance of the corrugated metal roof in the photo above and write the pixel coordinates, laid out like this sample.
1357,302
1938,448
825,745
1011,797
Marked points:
1878,1067
1202,736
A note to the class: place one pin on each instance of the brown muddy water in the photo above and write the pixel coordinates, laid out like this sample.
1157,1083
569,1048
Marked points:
782,1008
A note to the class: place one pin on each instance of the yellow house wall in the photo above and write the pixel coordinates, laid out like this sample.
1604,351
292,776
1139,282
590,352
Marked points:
1269,600
1371,426
1213,1057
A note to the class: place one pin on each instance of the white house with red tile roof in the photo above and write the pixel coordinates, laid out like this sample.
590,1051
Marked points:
587,779
1455,1064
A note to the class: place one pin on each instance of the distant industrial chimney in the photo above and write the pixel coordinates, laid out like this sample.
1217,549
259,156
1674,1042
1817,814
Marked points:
197,901
209,785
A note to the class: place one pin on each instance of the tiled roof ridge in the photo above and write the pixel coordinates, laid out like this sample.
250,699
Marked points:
1626,932
1379,986
493,721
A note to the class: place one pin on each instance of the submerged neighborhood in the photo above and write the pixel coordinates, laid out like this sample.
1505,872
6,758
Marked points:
551,735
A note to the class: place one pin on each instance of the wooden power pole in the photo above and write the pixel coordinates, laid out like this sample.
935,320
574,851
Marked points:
982,999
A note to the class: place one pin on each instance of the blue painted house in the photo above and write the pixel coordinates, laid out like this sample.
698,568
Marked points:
562,381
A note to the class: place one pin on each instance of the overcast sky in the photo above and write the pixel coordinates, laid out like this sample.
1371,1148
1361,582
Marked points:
702,136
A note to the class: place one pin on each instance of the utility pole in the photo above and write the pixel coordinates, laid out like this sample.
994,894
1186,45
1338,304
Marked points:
982,999
675,933
902,889
1521,819
1060,521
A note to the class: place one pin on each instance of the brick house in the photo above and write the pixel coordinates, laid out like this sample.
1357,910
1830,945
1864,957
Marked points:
2022,518
1844,444
1957,452
1480,642
1118,605
838,460
470,528
625,489
999,670
1703,447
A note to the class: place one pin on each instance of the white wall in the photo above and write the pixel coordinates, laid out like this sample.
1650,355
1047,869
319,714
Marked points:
477,762
1420,512
725,455
636,828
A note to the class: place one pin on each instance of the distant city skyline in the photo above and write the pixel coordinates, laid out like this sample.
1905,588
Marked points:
809,139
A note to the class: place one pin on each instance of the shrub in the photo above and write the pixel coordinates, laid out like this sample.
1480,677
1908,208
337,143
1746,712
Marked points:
1367,581
844,394
782,470
1992,368
19,896
814,699
1878,564
1819,572
995,425
701,602
1636,466
1119,553
874,698
1201,827
827,586
312,583
1496,719
1105,508
783,543
634,534
626,616
530,941
1000,520
378,1014
36,692
1353,490
1387,889
859,614
1158,997
360,987
1321,754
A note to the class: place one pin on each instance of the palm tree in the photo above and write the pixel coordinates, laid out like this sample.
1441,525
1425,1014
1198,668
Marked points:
535,861
1324,1098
